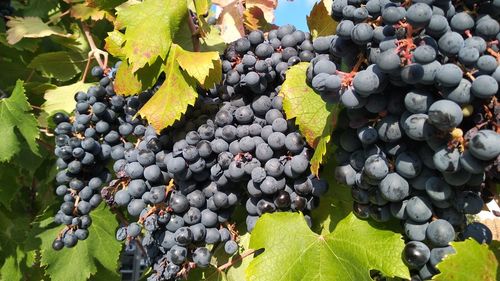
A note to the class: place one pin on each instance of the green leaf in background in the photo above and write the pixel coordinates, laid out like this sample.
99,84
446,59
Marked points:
143,19
81,262
205,67
11,269
320,23
39,9
62,66
16,116
30,27
9,184
315,118
471,262
294,252
62,98
173,97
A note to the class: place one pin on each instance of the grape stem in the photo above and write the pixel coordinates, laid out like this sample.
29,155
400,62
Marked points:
348,77
236,259
93,53
493,53
406,46
195,33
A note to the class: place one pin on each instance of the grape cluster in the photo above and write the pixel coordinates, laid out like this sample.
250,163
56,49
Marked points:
181,186
254,64
418,139
84,144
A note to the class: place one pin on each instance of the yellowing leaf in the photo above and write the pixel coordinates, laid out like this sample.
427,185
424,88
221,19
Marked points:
126,83
150,27
328,5
293,252
83,12
213,41
320,23
114,43
471,262
62,98
266,6
231,19
315,118
60,65
173,97
30,27
255,20
205,67
16,120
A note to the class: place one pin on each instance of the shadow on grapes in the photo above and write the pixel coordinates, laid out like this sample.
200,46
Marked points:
337,204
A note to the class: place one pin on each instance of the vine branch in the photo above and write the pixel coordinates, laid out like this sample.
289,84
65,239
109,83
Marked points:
195,33
94,52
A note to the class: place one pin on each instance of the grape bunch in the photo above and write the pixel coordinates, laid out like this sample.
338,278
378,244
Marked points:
254,64
418,139
84,144
180,186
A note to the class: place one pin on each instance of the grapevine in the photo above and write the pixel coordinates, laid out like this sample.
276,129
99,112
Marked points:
212,143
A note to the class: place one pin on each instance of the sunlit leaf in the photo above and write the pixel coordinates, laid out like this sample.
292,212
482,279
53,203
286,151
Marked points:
30,27
62,98
149,29
320,23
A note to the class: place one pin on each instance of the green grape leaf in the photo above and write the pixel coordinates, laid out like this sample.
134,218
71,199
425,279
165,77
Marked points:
144,19
212,41
471,262
294,252
37,8
237,271
320,23
30,27
15,114
60,65
81,262
205,67
25,44
335,205
173,97
316,118
114,43
9,185
11,269
62,98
